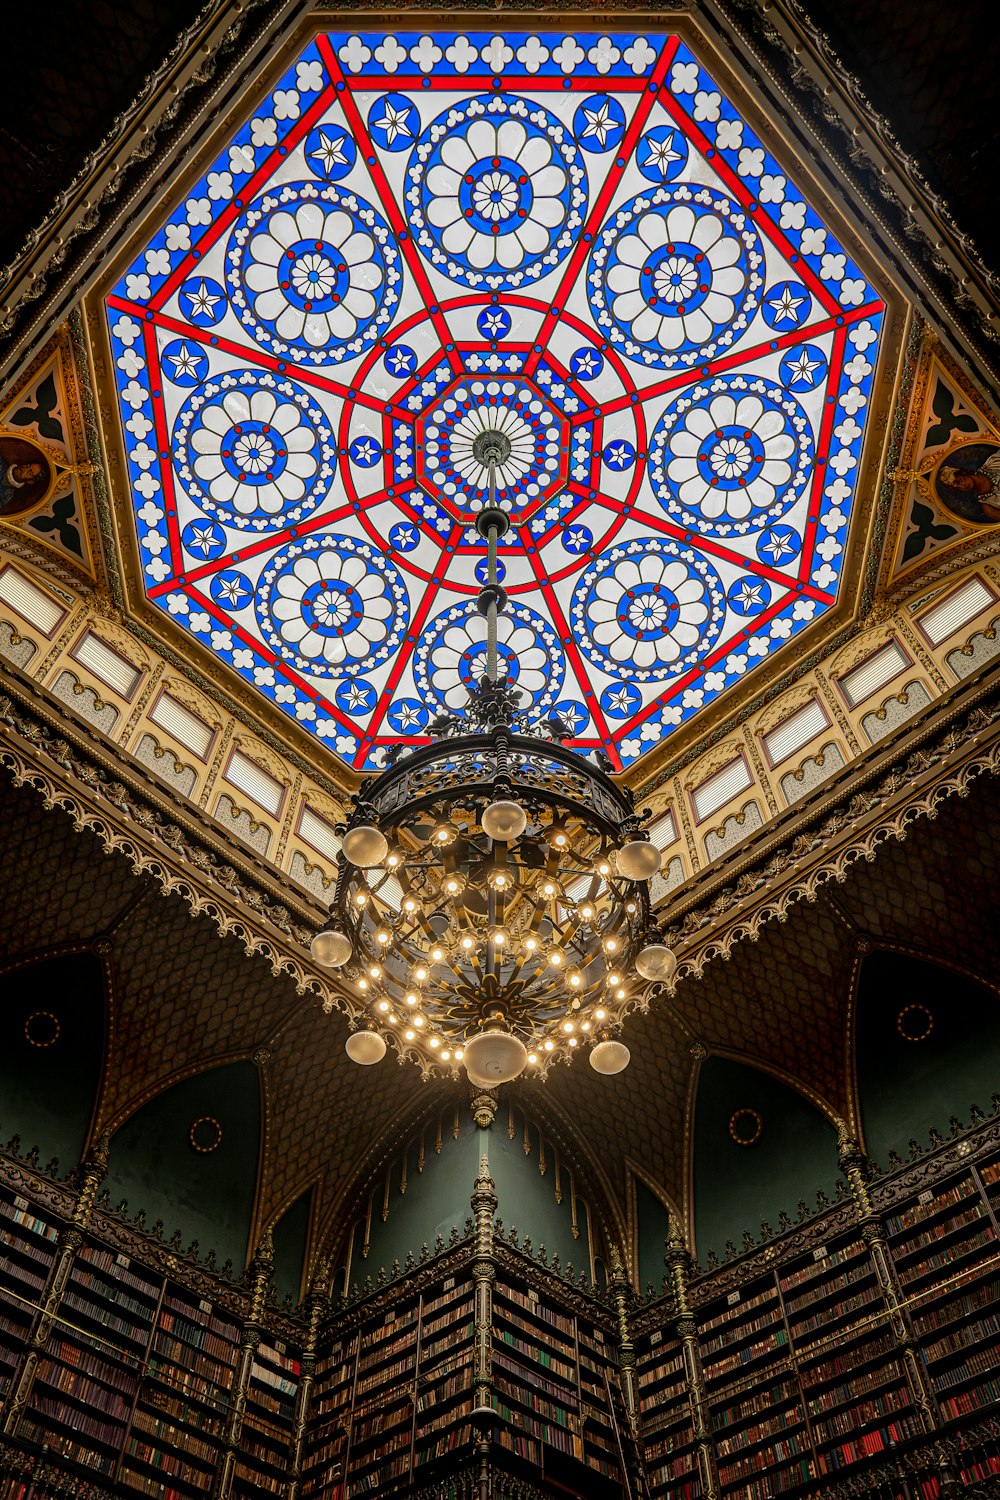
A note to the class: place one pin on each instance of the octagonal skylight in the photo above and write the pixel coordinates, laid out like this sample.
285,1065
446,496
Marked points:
577,239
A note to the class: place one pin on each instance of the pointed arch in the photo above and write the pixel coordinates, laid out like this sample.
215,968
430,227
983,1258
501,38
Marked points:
759,1142
190,1157
925,1045
53,1027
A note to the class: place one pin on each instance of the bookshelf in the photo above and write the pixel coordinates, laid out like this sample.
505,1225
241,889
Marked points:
125,1371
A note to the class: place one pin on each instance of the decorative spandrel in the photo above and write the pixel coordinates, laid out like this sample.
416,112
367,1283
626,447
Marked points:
576,240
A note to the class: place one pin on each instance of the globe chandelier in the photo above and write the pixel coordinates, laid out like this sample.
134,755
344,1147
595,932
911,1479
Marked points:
492,903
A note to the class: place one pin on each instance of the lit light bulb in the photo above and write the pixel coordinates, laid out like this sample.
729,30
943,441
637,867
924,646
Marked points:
409,904
584,1025
568,1027
443,833
453,885
468,943
361,898
630,907
418,1020
549,889
437,953
393,860
393,1020
458,1054
383,936
586,911
435,1043
362,984
374,972
549,1046
572,1041
611,945
556,957
533,1057
445,1055
620,994
603,867
599,1014
499,936
383,1006
574,978
420,973
530,945
410,1035
411,998
614,979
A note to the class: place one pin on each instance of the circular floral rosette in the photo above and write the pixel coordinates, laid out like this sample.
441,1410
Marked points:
731,457
447,434
452,657
314,272
676,275
332,606
497,190
648,609
249,451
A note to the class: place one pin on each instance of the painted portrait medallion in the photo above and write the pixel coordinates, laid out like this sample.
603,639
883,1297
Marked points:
26,475
967,483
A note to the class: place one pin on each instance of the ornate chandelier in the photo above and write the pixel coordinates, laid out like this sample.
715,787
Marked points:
492,903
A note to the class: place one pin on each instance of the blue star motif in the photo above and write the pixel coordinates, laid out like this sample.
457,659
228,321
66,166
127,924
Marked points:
662,154
393,122
407,716
778,544
483,570
401,360
204,538
803,369
586,364
578,539
786,305
204,301
748,596
404,536
365,452
620,700
494,323
574,713
231,590
357,697
619,455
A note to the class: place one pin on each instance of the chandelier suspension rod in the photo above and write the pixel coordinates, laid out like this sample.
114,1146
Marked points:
492,659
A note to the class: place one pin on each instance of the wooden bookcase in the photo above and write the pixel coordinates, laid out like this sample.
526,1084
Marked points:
863,1343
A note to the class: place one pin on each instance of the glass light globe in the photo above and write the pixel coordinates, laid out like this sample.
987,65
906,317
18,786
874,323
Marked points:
331,949
365,846
494,1057
504,821
638,860
610,1057
656,961
365,1047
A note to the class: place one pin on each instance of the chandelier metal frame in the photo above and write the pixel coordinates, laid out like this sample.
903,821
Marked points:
492,895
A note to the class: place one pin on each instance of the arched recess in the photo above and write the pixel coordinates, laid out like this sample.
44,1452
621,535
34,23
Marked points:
649,1212
758,1147
52,1028
927,1046
423,1194
189,1158
290,1237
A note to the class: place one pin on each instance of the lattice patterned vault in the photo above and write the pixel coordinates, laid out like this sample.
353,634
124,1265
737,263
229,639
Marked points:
577,239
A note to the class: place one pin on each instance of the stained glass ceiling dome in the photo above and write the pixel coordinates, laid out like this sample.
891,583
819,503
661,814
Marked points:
576,239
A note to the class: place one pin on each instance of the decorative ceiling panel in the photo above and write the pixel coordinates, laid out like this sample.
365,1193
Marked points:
577,239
